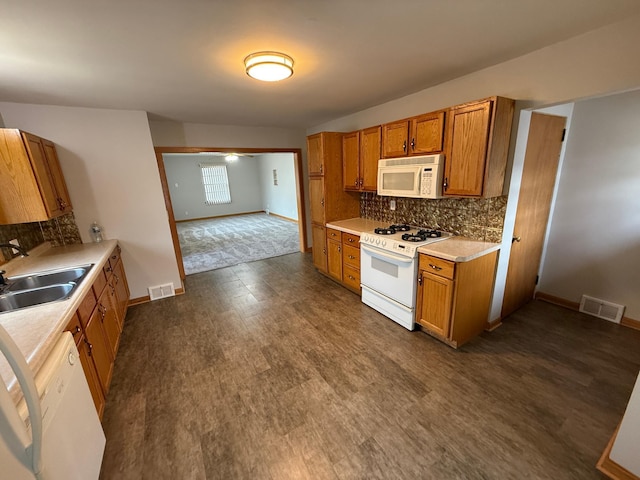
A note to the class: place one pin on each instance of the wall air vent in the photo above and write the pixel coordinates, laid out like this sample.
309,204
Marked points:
601,308
161,291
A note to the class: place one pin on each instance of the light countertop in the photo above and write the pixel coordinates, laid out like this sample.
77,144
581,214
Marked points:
37,329
356,226
459,249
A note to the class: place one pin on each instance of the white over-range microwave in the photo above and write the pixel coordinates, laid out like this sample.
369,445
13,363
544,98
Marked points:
417,177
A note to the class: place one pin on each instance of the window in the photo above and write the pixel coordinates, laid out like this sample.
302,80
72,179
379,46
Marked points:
216,184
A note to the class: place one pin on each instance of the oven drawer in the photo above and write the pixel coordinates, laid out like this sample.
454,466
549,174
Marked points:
437,266
350,239
351,256
333,234
351,277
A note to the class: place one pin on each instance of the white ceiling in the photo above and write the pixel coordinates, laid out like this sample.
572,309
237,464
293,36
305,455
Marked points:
182,60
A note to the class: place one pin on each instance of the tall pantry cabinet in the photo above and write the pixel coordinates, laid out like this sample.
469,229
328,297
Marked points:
328,200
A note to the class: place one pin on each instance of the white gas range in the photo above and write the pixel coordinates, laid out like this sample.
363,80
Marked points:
389,269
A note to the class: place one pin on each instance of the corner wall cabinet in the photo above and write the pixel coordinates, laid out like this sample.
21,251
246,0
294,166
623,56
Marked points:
420,135
361,152
33,187
478,136
97,326
453,299
327,197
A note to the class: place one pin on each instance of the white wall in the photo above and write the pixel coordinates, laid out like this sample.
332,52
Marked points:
594,239
109,164
187,193
596,63
280,199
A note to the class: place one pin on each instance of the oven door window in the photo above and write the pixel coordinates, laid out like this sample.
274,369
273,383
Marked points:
384,267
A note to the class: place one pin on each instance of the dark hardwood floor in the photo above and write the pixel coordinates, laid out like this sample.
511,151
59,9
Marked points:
268,370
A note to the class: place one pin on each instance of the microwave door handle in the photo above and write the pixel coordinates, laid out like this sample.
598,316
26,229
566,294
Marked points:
390,256
29,454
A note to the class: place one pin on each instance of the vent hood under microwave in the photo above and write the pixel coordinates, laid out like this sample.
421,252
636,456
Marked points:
416,177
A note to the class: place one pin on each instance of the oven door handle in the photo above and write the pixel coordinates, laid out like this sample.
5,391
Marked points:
390,256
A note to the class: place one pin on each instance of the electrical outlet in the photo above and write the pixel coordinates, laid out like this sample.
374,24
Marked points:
392,204
14,242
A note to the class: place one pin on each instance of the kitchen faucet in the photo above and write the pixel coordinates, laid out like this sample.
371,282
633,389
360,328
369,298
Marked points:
23,252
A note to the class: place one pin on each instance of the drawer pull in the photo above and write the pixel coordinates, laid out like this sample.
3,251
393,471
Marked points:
351,257
351,277
350,240
435,267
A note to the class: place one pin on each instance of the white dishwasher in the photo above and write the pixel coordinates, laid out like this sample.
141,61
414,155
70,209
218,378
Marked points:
54,433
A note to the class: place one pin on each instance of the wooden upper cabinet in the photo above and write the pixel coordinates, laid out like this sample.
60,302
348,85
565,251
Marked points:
32,184
360,155
315,154
427,134
370,139
421,135
477,147
351,160
395,138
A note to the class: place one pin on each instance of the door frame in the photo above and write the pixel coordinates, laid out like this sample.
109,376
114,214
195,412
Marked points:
297,157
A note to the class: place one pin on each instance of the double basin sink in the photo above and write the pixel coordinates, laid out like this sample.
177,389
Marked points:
42,287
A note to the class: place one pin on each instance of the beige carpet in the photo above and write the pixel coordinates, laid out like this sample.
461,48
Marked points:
222,242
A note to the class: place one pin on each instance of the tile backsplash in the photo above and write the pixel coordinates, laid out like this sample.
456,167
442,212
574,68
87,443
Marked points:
59,231
477,218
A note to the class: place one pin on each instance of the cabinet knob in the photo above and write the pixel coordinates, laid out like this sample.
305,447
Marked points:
322,202
350,240
420,280
351,277
321,168
339,249
356,183
413,144
404,146
516,239
445,184
351,257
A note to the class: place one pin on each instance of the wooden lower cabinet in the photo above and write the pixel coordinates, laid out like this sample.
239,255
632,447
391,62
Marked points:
351,261
454,299
100,352
120,292
334,254
88,366
105,314
319,250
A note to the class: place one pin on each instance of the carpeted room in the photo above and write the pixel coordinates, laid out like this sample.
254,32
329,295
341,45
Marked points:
231,209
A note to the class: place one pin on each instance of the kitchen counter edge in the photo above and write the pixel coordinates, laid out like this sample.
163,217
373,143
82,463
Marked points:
459,249
36,329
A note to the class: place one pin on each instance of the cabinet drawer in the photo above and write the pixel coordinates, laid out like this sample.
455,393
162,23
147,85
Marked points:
437,266
114,258
333,234
351,277
85,309
350,239
351,256
74,327
100,282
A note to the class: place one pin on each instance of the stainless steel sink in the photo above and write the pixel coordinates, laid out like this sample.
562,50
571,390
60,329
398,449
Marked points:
45,279
42,287
37,296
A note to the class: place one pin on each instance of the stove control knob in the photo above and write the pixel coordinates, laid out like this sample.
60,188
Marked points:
377,241
384,243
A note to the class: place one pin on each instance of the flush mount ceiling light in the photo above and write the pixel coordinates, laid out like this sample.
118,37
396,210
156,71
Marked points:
231,157
269,66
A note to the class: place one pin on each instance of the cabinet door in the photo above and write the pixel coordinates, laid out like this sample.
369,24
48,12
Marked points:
35,149
369,157
314,154
427,134
435,296
319,250
92,376
99,351
394,139
121,286
57,177
105,314
316,199
467,149
334,259
351,160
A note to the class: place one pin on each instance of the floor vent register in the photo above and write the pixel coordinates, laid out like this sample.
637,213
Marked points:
601,308
161,291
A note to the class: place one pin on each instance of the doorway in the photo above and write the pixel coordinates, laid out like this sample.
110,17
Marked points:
544,144
299,192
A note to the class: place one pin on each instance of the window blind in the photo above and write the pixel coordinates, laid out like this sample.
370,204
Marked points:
216,184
